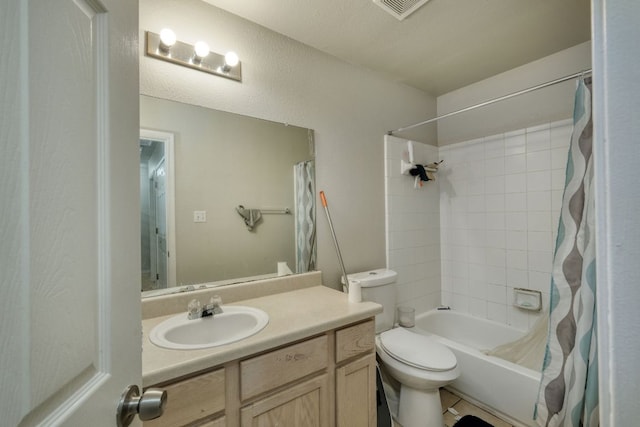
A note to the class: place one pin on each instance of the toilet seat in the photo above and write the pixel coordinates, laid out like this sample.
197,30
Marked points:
417,350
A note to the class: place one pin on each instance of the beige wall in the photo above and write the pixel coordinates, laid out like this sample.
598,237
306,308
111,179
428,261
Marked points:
542,106
349,108
223,160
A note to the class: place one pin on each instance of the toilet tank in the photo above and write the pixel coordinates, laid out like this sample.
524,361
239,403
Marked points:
379,286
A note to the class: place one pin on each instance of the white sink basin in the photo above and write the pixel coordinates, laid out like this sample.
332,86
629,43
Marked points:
233,324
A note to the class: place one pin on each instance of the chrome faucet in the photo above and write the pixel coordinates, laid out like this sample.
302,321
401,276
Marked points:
195,310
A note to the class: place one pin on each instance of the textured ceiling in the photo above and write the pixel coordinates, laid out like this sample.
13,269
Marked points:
445,45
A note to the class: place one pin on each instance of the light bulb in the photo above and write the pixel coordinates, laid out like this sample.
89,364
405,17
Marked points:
231,59
167,39
201,49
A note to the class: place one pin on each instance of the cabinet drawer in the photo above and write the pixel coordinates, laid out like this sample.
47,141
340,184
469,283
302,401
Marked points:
192,399
355,340
276,368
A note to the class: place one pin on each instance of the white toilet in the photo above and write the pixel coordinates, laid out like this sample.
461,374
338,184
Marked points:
421,364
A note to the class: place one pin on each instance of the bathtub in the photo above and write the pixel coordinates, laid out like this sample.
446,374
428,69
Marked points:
503,387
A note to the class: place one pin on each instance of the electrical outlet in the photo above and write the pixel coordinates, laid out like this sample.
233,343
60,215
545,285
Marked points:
199,216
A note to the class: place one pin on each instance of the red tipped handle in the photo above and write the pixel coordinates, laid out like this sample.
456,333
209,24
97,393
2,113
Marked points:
323,199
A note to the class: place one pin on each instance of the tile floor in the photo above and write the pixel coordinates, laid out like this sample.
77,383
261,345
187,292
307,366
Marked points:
450,400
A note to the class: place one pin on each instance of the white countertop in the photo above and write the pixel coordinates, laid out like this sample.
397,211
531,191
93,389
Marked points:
293,315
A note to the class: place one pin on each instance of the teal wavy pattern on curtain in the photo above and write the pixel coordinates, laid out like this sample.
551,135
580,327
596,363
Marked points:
305,216
568,393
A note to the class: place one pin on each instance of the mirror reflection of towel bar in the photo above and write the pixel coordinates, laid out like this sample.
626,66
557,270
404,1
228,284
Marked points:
284,211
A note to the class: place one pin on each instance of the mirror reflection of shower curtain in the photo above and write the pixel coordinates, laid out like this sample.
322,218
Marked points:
568,394
305,216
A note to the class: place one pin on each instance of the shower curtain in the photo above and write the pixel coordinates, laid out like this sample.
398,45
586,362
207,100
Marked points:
305,216
568,394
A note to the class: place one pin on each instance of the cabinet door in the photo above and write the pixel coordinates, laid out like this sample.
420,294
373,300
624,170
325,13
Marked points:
356,393
305,404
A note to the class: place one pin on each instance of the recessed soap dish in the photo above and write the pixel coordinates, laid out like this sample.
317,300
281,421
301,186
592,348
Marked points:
527,299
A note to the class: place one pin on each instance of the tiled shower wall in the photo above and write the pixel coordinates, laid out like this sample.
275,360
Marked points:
413,227
486,226
500,199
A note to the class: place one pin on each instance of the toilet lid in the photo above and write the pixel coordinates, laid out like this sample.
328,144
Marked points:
417,350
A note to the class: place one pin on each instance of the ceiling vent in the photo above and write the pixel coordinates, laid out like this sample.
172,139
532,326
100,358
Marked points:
400,9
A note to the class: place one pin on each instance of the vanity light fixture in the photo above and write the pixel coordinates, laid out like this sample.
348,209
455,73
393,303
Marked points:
167,40
201,51
166,47
230,60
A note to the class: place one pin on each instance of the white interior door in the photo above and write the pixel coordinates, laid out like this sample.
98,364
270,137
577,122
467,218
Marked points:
70,330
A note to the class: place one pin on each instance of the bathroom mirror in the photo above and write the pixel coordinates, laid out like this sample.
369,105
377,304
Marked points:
225,198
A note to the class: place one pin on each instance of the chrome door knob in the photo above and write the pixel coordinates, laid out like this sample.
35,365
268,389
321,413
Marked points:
148,406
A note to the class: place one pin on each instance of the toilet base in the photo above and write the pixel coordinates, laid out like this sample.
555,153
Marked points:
419,408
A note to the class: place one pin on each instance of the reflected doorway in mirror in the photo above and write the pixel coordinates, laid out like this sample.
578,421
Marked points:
157,201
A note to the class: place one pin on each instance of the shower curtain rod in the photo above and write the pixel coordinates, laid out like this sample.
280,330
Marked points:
492,101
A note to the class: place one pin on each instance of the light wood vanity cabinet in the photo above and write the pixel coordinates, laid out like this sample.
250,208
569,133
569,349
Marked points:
192,399
303,404
220,422
356,393
281,374
323,381
355,396
276,368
